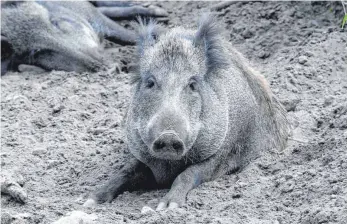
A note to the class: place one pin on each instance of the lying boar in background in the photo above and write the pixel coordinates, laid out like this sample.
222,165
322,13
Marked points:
198,112
66,36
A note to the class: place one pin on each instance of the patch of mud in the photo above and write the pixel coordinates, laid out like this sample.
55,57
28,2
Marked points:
63,131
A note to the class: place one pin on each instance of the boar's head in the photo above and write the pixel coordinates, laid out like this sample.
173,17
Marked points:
175,107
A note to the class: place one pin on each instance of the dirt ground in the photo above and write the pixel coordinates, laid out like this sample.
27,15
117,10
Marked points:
62,131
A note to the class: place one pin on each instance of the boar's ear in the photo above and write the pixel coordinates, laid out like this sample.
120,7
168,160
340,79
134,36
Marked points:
148,33
209,37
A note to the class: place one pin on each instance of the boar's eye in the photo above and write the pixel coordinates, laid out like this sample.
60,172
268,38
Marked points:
150,83
193,85
38,52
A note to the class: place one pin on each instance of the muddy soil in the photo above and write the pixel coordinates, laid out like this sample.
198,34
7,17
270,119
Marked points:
63,131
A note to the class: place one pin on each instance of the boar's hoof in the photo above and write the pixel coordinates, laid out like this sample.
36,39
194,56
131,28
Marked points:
172,200
163,205
30,68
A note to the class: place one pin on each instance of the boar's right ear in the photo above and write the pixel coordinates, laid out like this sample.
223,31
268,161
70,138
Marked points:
209,37
148,32
6,53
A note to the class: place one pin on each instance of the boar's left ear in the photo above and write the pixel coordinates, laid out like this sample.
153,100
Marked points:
148,32
209,37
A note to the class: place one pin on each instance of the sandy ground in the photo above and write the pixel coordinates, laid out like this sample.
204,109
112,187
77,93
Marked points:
62,132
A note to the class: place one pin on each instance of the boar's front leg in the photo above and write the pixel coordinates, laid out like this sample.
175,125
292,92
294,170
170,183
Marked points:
134,175
133,11
192,177
127,10
115,32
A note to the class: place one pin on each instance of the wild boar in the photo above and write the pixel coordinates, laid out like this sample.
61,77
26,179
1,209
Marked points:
198,111
63,35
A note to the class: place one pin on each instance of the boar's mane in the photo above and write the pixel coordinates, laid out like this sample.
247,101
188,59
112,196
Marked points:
273,114
209,35
274,120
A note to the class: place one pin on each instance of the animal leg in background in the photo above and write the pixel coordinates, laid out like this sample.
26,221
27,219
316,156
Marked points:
118,11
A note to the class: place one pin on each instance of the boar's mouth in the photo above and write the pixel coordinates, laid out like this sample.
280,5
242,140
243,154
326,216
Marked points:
169,146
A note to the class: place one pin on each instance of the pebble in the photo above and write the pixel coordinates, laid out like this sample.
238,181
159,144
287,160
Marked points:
264,54
290,104
44,86
319,78
330,29
89,203
275,90
40,122
328,100
309,54
52,163
322,217
77,217
311,71
302,60
236,195
57,108
288,186
247,34
345,134
39,151
146,210
98,131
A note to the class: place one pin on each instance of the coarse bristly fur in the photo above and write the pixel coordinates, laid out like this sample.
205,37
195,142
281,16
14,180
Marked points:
209,35
147,33
57,35
198,111
274,114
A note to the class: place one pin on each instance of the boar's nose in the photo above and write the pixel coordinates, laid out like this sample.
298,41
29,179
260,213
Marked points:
168,142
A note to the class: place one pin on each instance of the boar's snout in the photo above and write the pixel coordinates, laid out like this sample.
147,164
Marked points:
167,134
168,145
168,142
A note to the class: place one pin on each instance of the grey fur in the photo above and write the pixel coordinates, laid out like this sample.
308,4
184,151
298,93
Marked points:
60,35
147,30
198,111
